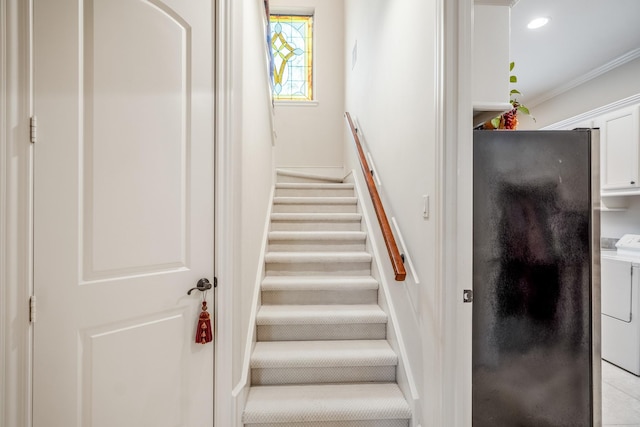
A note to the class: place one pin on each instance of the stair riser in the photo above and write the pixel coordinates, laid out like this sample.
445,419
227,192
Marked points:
314,192
358,423
315,268
319,297
316,246
345,374
357,331
316,226
314,208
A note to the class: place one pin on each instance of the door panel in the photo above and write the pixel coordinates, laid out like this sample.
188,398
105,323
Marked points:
115,385
123,217
126,100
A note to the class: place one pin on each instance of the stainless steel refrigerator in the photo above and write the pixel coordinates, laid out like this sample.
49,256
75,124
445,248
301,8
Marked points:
536,279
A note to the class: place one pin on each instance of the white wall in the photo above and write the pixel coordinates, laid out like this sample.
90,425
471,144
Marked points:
617,223
391,92
256,177
311,135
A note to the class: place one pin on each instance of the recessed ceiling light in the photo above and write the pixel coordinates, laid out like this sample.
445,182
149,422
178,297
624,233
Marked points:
537,23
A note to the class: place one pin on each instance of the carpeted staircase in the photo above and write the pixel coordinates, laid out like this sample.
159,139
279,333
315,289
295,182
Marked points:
321,356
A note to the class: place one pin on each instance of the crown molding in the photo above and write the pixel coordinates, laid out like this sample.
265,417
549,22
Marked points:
592,114
621,60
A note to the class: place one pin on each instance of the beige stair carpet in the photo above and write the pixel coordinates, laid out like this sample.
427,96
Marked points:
321,356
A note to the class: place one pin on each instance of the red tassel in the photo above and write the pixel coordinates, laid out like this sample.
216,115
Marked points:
204,333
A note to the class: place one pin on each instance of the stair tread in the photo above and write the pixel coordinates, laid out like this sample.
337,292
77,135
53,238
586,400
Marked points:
298,403
312,216
324,257
310,354
310,283
318,235
320,314
313,185
315,200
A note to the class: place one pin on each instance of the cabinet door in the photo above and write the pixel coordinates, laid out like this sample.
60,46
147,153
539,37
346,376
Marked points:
620,137
491,57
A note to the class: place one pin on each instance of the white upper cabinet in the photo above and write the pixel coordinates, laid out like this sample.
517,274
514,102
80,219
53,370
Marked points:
491,28
620,142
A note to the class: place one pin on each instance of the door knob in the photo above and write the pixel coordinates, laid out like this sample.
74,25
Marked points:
203,285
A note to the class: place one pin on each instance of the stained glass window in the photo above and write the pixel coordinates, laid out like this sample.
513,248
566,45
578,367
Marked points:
291,45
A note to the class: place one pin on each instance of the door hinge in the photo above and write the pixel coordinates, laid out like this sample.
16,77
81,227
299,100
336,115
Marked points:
33,314
33,129
467,295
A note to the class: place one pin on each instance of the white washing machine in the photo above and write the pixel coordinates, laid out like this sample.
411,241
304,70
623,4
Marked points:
620,304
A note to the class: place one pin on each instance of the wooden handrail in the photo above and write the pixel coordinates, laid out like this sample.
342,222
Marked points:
389,240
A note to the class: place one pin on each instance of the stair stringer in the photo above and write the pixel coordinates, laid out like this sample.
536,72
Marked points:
404,376
241,390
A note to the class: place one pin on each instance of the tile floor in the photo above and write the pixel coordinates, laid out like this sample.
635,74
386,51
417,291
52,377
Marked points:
620,397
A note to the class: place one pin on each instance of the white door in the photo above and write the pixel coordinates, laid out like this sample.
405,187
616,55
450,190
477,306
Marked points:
123,212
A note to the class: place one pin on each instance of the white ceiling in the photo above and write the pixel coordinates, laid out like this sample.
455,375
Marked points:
583,36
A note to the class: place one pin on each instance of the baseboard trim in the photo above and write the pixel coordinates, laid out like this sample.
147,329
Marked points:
241,390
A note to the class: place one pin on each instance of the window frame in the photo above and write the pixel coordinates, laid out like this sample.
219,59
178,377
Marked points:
313,100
